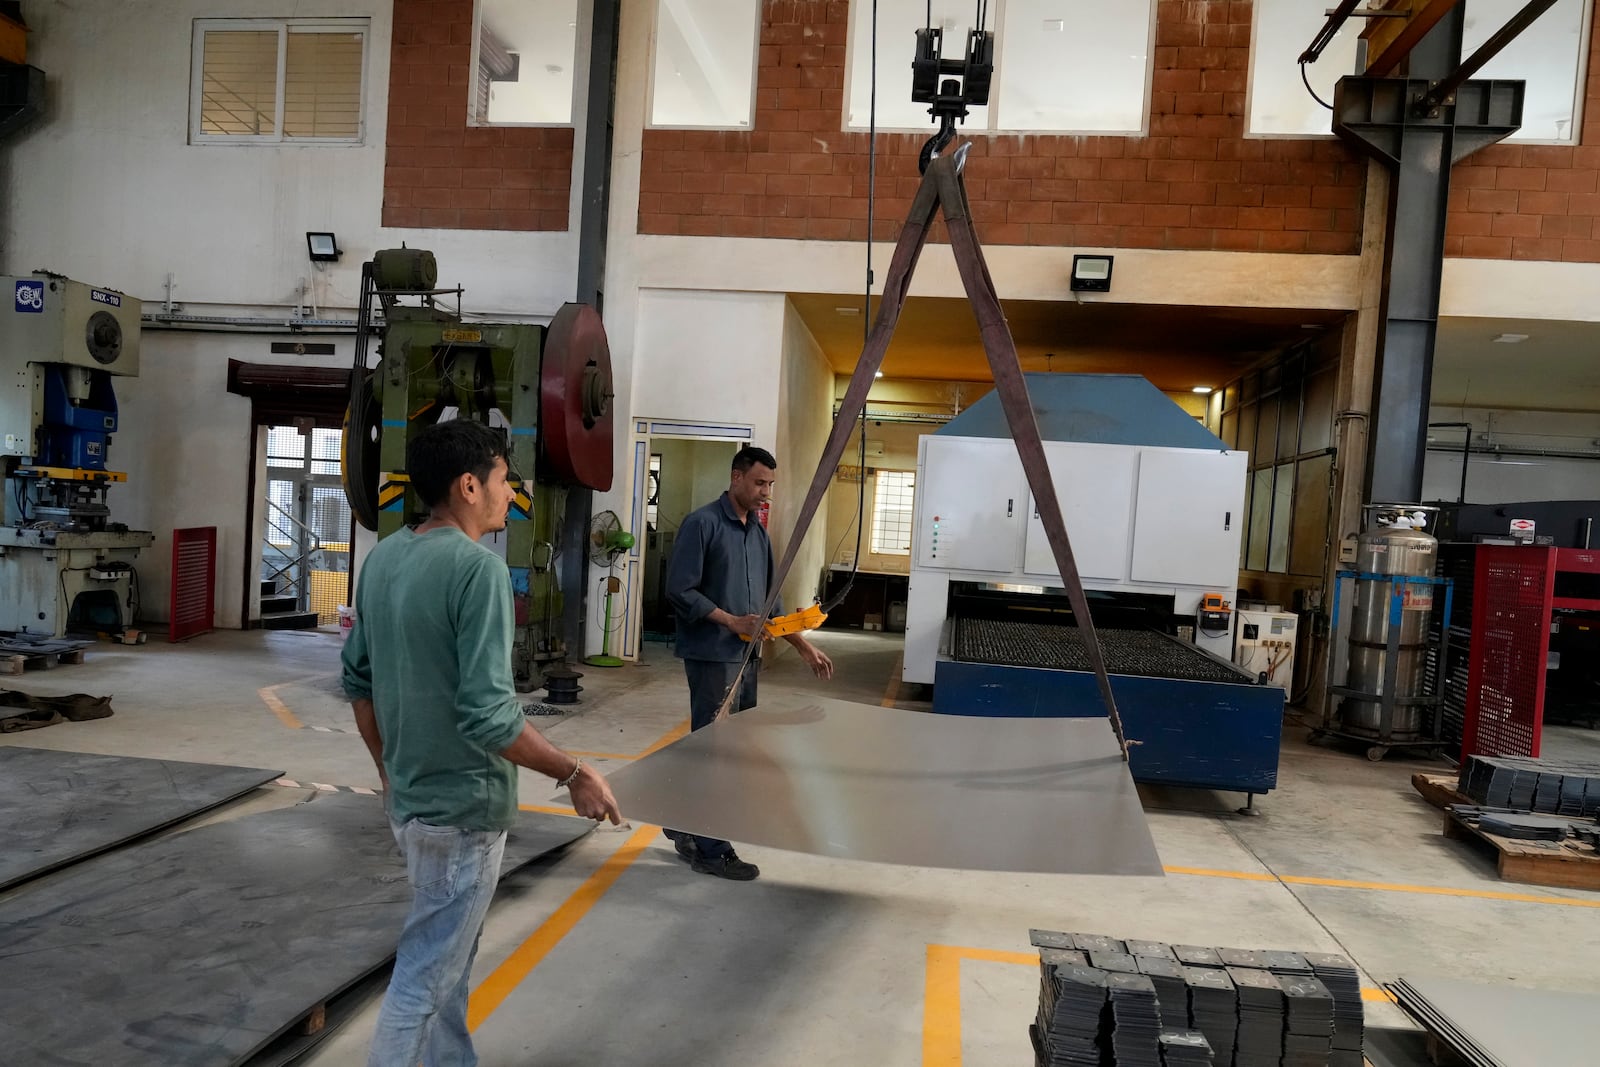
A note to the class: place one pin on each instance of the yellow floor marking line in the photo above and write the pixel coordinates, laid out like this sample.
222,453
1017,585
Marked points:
492,992
601,755
548,809
269,697
1387,887
941,997
677,733
891,693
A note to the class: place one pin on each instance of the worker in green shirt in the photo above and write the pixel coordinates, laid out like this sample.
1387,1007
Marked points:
428,670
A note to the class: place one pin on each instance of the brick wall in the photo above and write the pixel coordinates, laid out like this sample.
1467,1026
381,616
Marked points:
1193,182
441,173
1532,201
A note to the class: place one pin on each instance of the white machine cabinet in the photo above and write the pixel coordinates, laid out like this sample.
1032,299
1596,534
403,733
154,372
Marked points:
1094,484
1191,509
971,501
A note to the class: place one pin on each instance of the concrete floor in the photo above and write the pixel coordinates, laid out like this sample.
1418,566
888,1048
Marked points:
638,960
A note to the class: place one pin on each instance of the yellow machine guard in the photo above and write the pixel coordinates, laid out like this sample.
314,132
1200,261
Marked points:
72,474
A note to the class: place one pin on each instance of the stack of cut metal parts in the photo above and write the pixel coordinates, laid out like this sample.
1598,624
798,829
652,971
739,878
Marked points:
1501,1025
1111,1003
1520,783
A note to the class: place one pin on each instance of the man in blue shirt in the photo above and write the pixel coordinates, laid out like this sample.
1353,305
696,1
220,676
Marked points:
717,582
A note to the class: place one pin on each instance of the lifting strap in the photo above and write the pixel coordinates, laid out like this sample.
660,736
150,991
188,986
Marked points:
943,189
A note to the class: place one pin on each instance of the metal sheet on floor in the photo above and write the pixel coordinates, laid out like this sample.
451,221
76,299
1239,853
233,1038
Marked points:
831,778
1504,1024
199,949
61,807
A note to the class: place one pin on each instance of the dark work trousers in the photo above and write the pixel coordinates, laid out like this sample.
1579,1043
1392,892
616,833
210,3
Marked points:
709,682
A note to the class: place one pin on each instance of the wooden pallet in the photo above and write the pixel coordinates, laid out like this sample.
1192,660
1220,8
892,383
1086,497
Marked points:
17,662
1562,864
1438,789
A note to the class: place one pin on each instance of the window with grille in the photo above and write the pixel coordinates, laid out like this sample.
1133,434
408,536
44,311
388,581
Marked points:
273,80
891,512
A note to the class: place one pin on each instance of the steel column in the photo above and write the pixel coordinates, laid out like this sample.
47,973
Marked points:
1395,121
594,208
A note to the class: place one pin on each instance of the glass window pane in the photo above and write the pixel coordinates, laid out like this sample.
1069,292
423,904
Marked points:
705,63
1289,419
1247,430
1266,431
1309,534
526,52
239,83
280,497
1279,103
1072,67
1547,55
898,21
1316,428
891,512
1260,519
1282,503
285,442
1230,429
322,85
325,443
1244,533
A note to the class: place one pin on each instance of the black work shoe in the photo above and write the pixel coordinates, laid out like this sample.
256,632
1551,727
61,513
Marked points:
728,865
687,849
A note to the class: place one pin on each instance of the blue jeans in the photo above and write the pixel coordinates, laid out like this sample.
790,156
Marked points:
709,682
453,873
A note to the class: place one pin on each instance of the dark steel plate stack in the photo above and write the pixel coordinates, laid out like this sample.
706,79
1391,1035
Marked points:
1189,1004
1522,783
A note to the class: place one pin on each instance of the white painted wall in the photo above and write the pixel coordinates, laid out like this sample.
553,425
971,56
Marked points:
805,403
1496,479
106,188
186,444
712,357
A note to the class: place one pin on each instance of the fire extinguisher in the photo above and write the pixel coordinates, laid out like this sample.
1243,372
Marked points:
766,509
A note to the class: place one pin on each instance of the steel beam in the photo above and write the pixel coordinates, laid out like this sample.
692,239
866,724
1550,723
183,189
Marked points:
1419,29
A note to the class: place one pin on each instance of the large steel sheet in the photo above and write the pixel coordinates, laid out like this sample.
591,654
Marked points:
1503,1025
200,948
60,807
831,778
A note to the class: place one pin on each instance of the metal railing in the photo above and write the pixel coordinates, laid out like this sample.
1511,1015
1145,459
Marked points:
300,542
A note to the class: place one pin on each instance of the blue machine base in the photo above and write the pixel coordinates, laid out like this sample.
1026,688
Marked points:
1205,735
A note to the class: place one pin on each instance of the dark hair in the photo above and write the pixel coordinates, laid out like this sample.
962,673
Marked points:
443,452
750,455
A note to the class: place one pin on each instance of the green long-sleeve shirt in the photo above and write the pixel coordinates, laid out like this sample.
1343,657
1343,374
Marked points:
431,648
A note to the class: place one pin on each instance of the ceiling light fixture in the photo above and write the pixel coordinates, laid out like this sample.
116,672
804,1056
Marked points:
848,310
877,374
1202,389
1511,338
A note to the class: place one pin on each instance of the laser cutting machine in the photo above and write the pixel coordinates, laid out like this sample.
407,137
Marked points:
1154,505
64,565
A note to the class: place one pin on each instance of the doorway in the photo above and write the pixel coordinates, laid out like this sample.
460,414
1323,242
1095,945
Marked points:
307,529
682,475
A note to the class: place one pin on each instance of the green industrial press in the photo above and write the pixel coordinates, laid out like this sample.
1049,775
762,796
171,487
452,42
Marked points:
548,387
